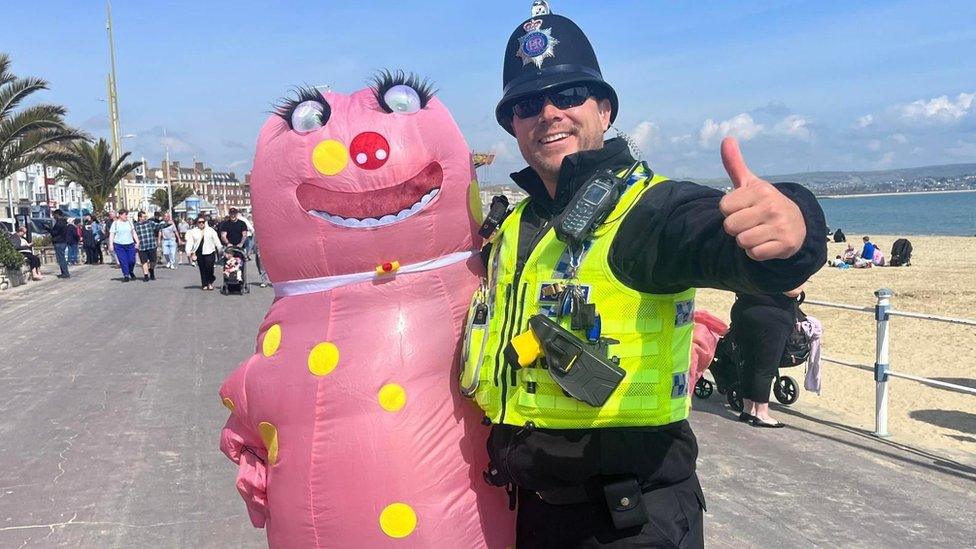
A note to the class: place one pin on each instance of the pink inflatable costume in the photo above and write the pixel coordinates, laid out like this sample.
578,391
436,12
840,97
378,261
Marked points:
346,423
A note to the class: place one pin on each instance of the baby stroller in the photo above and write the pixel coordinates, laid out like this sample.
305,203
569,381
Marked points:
726,370
235,282
901,253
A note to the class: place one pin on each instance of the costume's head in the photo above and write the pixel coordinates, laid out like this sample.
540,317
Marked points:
547,52
345,183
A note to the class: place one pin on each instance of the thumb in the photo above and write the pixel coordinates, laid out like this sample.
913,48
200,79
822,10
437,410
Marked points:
735,166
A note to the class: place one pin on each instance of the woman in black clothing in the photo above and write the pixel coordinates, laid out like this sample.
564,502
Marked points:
19,240
762,324
203,245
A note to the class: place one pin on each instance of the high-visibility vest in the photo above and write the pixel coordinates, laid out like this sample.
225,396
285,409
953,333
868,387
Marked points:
654,333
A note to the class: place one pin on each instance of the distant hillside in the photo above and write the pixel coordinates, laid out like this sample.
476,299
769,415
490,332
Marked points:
924,178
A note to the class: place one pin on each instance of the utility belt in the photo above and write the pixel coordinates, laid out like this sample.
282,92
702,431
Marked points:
623,495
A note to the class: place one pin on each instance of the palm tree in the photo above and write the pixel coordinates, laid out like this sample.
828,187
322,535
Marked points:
33,134
91,166
160,198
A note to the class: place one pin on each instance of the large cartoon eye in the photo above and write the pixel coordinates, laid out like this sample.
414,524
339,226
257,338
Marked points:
402,99
307,116
305,113
401,93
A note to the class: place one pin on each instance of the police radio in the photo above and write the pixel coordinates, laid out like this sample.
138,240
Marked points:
496,214
591,206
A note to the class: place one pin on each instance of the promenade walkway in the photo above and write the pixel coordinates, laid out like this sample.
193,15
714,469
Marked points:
109,422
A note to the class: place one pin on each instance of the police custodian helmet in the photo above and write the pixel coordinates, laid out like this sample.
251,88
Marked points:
547,52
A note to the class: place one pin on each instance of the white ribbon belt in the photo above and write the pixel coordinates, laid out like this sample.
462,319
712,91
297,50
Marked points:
326,283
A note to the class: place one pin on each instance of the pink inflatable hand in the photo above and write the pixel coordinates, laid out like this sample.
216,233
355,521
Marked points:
708,329
251,484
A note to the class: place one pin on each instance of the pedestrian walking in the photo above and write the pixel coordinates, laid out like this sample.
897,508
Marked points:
90,239
59,234
183,227
257,261
123,240
73,239
148,245
98,228
171,241
202,245
233,231
106,229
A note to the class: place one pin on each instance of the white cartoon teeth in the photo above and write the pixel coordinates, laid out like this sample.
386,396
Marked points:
387,219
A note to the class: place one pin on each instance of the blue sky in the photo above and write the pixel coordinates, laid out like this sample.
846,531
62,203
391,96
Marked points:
804,85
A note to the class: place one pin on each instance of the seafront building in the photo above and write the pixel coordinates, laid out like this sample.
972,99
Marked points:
36,190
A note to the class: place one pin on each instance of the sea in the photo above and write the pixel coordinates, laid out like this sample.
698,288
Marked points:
948,213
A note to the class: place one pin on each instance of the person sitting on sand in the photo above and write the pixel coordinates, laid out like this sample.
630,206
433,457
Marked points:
850,254
879,258
868,252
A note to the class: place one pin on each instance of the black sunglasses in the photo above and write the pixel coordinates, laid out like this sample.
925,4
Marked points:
563,99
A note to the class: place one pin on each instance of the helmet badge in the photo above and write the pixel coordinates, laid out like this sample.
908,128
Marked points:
537,44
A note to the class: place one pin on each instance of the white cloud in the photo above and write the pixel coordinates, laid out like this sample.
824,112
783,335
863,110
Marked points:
681,139
646,133
899,138
864,121
237,164
502,151
963,149
938,109
793,125
874,145
740,126
176,145
887,159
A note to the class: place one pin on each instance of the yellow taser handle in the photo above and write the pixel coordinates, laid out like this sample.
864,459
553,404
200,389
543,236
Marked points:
527,347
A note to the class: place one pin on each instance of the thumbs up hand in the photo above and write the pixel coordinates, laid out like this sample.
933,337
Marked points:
765,223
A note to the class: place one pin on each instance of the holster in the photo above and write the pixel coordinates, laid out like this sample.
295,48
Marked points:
625,503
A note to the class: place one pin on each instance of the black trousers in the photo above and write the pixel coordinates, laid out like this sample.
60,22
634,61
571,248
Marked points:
205,262
91,255
761,332
675,520
32,260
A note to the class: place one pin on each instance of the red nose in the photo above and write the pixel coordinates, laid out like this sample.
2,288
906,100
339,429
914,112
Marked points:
369,150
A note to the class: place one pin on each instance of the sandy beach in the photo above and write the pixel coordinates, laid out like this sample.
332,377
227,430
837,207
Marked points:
941,280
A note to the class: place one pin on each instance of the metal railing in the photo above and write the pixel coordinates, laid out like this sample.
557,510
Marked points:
881,368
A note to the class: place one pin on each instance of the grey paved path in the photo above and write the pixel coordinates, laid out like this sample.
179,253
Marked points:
109,420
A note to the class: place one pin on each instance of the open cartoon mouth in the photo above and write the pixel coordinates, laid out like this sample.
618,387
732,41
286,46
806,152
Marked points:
373,208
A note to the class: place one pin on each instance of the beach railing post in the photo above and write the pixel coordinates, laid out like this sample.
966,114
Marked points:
881,310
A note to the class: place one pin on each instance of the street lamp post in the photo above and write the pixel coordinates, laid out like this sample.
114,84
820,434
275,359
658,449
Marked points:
169,182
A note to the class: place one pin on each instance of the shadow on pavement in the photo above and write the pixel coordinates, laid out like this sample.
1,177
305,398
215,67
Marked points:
917,457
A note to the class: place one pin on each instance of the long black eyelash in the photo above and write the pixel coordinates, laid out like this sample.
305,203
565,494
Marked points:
385,79
285,106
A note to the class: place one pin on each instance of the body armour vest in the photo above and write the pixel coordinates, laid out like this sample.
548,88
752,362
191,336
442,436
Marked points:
654,333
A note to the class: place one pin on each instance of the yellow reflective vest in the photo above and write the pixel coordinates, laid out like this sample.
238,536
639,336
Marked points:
654,333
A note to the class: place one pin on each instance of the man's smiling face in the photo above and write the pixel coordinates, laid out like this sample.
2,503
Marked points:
547,138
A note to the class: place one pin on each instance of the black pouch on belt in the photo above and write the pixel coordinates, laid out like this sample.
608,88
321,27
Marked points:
625,502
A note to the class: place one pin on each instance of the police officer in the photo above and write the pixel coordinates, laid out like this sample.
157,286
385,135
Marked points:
621,473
